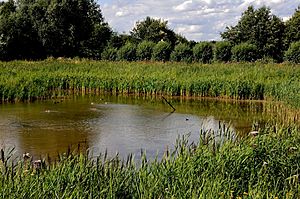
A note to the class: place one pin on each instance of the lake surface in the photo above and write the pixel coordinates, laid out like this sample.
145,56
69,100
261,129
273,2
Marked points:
122,124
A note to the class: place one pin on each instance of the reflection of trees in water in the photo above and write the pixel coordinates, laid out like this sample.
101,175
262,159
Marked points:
48,128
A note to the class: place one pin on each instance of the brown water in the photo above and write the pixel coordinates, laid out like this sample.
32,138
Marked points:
118,124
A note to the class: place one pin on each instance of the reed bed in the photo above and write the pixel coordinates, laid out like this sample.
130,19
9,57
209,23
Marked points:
265,166
24,80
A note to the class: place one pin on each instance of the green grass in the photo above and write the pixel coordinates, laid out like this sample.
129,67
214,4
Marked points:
266,166
23,80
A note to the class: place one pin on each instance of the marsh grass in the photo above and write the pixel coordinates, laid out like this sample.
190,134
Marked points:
24,80
265,166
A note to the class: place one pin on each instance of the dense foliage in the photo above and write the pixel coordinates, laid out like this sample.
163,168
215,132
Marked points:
265,166
144,50
127,52
162,51
203,52
292,31
260,28
39,29
222,51
293,53
245,52
32,80
154,30
182,52
109,53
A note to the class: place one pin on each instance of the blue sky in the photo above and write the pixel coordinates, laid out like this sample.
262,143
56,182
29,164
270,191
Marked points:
195,19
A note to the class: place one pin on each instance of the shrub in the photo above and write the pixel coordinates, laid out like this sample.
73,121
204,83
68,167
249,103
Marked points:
162,51
127,52
222,51
203,52
245,52
293,53
144,50
182,52
109,53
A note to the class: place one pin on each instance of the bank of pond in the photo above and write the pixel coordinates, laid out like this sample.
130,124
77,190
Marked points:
24,80
218,159
262,166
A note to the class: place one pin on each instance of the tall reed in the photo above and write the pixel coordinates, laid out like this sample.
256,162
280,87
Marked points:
265,166
23,80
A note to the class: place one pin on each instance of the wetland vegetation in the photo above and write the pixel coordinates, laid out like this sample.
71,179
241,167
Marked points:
61,41
22,80
264,166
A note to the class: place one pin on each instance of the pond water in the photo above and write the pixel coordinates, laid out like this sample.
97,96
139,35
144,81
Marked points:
123,124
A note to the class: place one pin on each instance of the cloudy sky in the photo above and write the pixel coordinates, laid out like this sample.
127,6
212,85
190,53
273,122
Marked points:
195,19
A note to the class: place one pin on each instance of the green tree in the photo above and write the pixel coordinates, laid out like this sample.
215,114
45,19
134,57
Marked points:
144,50
292,31
39,28
154,30
222,51
18,40
182,52
245,52
71,28
127,52
119,40
109,53
203,52
261,28
162,51
293,53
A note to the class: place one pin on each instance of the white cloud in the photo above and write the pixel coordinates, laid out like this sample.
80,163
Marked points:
194,19
184,6
121,14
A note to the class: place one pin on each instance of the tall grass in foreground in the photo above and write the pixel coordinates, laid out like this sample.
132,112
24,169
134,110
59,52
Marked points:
23,80
266,166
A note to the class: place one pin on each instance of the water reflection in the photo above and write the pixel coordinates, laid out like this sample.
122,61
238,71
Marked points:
116,123
130,128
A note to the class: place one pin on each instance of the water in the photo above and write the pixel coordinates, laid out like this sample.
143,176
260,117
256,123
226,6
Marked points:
120,124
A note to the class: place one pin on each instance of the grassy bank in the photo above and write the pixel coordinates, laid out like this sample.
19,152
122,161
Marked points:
266,166
22,80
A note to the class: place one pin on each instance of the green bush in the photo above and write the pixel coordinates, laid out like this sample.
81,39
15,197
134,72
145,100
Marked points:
245,52
162,51
144,50
222,51
203,52
293,53
109,53
127,52
182,52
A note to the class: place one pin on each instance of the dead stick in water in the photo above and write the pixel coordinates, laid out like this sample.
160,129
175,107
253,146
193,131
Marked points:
168,103
2,155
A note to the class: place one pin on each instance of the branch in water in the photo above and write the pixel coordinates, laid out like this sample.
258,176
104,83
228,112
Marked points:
168,103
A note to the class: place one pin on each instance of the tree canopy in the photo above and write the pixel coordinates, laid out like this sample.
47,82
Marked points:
37,29
41,28
261,28
292,30
154,30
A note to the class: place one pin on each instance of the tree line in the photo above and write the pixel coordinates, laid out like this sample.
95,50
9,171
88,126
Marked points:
37,29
